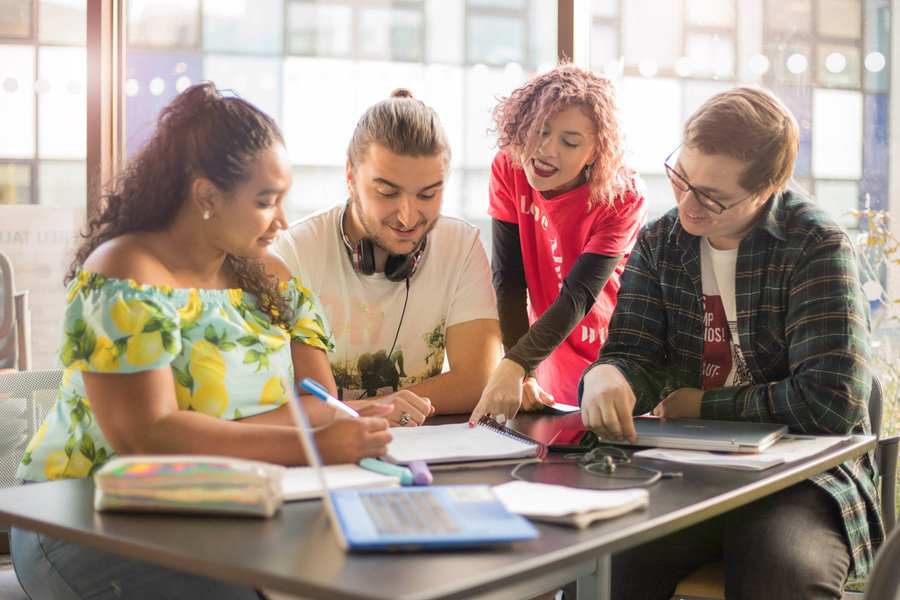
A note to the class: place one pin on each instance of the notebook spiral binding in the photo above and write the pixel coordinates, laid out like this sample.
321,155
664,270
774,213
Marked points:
490,423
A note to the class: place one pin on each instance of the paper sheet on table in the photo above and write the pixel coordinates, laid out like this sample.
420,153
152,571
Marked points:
790,448
571,506
301,483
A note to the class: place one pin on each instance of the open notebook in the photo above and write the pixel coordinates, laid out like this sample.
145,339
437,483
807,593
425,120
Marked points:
458,442
411,518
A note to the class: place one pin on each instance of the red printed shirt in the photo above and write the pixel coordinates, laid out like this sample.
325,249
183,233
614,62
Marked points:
553,234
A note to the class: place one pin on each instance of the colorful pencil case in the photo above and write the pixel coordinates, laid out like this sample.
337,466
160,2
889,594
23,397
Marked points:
188,484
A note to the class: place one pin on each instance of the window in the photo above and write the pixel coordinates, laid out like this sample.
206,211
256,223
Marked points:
826,59
316,66
43,103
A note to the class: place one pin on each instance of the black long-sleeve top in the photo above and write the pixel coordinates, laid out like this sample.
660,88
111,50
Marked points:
526,346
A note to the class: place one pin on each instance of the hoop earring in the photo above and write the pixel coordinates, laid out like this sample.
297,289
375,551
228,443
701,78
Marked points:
206,215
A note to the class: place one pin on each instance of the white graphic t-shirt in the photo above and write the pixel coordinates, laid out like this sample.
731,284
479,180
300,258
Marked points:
452,285
723,362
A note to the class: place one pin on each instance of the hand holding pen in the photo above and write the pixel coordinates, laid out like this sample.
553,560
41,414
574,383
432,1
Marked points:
318,390
404,474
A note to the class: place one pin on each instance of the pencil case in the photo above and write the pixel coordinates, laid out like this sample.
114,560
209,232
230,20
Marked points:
188,484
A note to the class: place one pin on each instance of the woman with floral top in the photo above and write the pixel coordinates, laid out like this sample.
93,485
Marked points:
178,325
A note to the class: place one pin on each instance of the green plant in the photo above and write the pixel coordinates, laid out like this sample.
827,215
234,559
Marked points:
878,250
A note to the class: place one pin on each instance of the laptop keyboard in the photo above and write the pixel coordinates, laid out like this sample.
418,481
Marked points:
407,512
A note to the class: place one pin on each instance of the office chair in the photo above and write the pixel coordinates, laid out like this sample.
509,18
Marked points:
708,582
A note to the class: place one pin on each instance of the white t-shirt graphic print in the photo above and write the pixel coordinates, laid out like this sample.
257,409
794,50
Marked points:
452,285
723,362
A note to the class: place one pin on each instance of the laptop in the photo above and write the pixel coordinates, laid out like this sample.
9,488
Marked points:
411,518
684,434
707,434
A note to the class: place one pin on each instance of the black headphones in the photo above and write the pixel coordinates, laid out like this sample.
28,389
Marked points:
398,267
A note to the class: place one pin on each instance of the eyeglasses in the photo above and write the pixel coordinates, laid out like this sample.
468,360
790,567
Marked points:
703,198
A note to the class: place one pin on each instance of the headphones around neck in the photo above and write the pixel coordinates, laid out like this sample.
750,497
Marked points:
398,267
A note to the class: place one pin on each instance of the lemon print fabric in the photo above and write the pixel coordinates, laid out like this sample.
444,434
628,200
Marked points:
225,357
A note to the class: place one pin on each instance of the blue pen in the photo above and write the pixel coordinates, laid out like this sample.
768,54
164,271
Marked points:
379,466
316,389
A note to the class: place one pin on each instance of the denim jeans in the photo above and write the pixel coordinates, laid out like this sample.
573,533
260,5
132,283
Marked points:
50,569
789,545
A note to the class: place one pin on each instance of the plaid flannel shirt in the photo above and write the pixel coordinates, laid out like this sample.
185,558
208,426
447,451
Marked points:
803,329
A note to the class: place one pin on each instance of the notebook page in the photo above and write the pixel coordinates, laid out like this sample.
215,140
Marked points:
456,442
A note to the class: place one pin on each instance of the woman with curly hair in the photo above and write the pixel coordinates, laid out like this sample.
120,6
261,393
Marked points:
177,329
566,211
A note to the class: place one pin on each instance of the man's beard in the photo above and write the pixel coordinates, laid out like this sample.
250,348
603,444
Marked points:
378,240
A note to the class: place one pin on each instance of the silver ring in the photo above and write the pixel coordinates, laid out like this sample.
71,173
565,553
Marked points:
404,419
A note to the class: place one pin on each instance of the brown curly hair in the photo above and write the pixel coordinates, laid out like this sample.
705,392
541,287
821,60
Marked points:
199,134
520,117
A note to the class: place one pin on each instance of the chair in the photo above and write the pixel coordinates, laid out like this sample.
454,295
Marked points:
25,398
708,582
883,582
15,321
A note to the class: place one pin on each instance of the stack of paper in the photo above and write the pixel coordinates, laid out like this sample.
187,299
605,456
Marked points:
790,448
566,505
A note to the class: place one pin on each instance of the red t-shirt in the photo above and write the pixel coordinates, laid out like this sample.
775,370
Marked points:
554,233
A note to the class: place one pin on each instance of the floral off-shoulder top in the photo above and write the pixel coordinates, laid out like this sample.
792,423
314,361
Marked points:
225,355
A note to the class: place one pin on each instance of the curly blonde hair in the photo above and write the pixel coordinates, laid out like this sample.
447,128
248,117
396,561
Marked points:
520,118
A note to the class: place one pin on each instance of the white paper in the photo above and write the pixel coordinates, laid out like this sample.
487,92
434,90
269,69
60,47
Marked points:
789,448
301,483
543,499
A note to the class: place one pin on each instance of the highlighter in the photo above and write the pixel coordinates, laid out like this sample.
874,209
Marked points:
421,473
385,468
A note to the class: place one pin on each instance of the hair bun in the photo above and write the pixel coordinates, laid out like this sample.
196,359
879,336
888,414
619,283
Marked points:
402,93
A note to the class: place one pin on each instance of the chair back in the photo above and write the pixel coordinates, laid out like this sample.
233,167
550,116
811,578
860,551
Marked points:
25,399
9,346
876,406
885,457
883,582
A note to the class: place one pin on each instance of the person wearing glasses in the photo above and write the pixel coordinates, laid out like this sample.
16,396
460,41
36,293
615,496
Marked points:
743,303
566,210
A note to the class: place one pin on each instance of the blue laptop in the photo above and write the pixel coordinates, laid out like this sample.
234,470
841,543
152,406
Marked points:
412,518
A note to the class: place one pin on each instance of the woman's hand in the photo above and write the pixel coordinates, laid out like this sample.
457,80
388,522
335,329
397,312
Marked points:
351,440
533,395
503,395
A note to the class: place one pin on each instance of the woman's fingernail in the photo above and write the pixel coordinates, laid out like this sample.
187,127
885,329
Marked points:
431,412
471,423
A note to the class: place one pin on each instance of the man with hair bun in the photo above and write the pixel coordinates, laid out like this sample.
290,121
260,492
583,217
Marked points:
402,285
743,303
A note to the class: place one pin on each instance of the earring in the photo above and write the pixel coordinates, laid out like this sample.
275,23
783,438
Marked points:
587,172
206,215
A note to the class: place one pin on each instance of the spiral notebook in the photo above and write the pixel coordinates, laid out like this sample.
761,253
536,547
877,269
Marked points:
458,442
